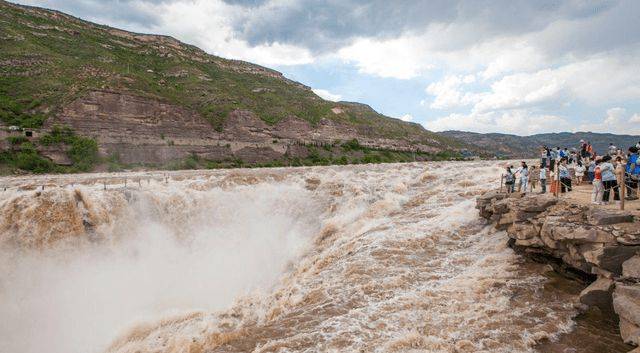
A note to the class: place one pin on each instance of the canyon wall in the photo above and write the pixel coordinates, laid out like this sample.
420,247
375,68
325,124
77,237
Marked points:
145,130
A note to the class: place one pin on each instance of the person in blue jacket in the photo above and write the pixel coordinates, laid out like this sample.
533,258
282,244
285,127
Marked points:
632,173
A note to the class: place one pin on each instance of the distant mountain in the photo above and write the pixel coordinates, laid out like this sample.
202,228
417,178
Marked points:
133,99
513,146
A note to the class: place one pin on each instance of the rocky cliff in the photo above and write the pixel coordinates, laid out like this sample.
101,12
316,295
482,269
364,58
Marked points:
599,245
149,99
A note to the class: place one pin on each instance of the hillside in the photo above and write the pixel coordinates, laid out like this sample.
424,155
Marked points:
513,146
154,101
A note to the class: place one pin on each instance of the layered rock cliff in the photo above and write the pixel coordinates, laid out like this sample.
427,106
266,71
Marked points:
598,245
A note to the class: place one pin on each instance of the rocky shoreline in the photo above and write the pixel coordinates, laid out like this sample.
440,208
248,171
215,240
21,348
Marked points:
594,245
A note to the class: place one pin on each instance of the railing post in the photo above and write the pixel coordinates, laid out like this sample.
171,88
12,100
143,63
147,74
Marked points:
623,190
501,181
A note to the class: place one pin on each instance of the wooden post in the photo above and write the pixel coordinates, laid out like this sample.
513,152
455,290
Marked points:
623,190
501,180
125,183
139,182
104,184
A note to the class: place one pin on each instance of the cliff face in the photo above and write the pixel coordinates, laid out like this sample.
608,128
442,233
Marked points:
152,99
600,244
143,130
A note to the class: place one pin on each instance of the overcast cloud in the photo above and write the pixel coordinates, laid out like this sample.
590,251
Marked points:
514,66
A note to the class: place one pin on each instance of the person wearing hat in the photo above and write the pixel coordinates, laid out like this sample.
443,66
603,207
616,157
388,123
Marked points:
632,173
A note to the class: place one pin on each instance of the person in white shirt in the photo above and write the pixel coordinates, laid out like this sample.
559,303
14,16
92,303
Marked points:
524,176
543,180
580,169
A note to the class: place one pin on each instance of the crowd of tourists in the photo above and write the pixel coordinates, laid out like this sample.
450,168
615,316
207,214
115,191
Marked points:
607,173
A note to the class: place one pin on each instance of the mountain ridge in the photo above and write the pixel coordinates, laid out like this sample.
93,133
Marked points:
514,146
153,100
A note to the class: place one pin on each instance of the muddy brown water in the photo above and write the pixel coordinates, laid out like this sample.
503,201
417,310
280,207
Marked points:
371,258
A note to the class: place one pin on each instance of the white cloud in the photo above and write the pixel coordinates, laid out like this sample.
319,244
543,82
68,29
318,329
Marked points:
616,121
406,117
448,93
395,58
520,122
323,93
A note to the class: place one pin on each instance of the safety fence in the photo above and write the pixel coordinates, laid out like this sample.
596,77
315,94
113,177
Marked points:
559,188
110,182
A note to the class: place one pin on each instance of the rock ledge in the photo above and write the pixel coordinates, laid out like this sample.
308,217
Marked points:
596,245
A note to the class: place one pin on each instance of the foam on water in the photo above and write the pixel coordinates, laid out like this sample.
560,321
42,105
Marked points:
358,258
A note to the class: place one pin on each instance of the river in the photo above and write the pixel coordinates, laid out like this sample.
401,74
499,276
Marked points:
367,258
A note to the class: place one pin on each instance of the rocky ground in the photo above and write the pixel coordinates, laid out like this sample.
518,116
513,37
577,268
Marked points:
590,243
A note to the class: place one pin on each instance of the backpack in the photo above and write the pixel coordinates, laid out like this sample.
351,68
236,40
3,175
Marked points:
509,178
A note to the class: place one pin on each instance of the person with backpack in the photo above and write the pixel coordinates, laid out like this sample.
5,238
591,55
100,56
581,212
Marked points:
509,180
609,180
543,180
632,173
565,176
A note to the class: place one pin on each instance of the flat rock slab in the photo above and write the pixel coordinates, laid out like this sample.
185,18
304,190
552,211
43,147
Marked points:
603,216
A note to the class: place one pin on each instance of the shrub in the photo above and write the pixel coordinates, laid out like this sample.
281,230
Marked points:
352,145
17,140
83,153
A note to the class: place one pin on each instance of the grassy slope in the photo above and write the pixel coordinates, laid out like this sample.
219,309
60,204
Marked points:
48,59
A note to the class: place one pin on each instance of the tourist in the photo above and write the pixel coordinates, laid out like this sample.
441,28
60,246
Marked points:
565,177
509,180
543,180
619,168
533,178
524,176
580,169
583,149
562,153
553,156
613,150
632,173
591,170
590,153
598,188
543,156
609,180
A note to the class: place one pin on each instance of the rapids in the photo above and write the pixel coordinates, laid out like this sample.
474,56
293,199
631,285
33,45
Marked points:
370,258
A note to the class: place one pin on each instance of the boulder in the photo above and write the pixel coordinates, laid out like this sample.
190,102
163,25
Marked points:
599,294
626,303
631,267
611,258
603,216
630,332
537,204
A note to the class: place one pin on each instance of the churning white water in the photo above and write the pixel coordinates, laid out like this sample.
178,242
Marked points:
346,259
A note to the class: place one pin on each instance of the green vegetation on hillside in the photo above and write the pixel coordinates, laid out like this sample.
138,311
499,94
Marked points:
48,59
82,151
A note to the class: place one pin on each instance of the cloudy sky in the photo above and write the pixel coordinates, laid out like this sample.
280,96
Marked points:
514,66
